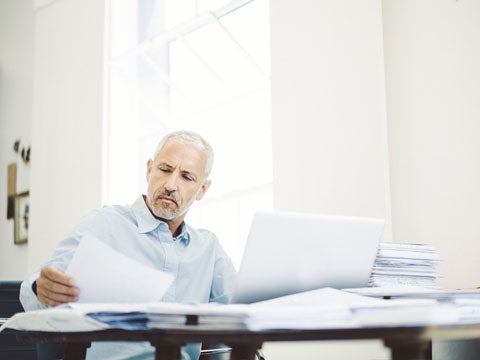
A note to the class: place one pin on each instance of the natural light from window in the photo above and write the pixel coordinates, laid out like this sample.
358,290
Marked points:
202,66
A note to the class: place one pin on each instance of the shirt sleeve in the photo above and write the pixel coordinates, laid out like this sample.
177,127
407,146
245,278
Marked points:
59,260
27,296
224,276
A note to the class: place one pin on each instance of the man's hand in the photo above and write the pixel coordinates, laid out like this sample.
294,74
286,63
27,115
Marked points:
54,287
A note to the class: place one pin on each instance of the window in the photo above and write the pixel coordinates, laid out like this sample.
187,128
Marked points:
202,66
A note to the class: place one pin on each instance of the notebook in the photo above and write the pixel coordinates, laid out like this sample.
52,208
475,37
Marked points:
289,252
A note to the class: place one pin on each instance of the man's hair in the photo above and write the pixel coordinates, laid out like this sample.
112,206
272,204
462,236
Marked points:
189,137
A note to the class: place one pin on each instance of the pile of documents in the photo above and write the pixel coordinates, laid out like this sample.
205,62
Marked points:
324,308
405,264
467,303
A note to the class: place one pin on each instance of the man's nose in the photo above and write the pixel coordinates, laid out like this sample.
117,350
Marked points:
171,183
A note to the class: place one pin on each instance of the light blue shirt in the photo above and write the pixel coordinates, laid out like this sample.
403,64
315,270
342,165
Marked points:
202,270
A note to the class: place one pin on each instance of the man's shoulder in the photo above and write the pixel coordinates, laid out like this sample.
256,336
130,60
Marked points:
108,212
202,234
112,209
117,209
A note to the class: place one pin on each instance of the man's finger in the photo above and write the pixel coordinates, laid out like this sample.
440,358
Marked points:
57,276
48,286
54,299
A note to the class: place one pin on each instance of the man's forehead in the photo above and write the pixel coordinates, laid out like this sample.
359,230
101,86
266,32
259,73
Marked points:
175,153
182,149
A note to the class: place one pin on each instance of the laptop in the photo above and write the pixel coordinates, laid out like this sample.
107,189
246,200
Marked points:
289,252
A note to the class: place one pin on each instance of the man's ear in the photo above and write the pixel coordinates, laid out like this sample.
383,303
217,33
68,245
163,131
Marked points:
203,189
149,169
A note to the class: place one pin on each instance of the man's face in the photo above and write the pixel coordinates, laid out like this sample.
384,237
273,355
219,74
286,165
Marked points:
176,179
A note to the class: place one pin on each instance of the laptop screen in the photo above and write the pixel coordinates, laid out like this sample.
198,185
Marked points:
288,253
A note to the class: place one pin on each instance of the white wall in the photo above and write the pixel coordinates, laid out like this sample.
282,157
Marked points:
432,56
51,95
329,118
66,171
329,130
432,52
329,107
330,143
16,81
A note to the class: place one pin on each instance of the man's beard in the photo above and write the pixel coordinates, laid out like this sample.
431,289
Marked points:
165,211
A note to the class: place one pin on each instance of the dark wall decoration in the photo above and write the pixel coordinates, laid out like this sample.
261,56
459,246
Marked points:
18,204
22,211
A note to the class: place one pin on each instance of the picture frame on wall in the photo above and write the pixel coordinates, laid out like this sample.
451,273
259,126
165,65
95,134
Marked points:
22,212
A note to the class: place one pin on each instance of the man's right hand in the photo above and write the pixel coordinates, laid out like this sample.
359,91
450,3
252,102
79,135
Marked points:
54,287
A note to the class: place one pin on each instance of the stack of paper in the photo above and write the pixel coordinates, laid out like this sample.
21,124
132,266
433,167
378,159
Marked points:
137,316
324,308
405,264
467,304
317,309
321,308
208,316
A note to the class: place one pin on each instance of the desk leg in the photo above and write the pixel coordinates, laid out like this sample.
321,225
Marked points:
410,350
244,352
166,352
75,351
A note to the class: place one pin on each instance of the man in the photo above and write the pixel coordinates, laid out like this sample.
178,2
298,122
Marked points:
152,231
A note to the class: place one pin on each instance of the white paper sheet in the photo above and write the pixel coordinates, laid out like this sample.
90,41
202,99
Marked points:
105,275
318,309
53,319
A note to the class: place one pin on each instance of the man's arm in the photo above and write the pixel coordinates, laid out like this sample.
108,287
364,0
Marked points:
48,287
224,277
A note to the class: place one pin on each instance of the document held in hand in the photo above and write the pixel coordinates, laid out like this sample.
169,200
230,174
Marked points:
105,275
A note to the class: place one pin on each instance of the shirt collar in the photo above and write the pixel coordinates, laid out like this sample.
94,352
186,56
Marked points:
184,235
147,222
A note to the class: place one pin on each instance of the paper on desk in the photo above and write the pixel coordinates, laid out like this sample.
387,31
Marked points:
322,308
106,275
53,319
313,310
394,291
321,297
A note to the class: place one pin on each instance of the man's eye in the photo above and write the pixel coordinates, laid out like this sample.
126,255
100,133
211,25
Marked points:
188,178
164,169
